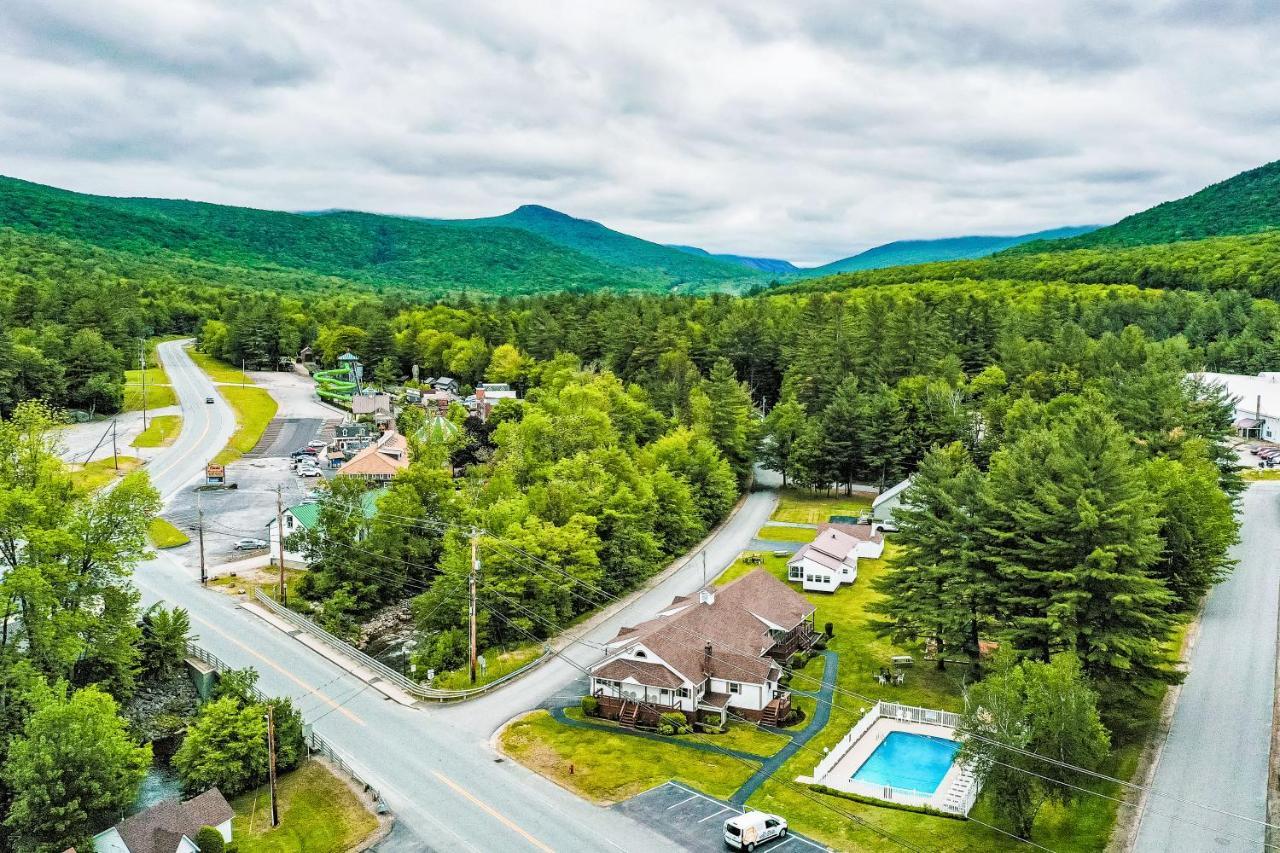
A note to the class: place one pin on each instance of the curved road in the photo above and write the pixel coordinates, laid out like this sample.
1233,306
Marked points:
434,767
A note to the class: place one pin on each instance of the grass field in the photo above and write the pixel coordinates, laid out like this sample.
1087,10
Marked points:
319,813
160,432
159,392
606,768
94,475
786,534
163,534
500,663
806,507
254,409
740,736
1260,474
218,370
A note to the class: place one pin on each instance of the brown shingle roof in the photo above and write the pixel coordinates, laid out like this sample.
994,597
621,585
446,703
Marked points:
736,624
383,459
862,532
161,827
653,674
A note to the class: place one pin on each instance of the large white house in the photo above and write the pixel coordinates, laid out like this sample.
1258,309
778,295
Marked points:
170,826
306,516
831,559
884,508
711,654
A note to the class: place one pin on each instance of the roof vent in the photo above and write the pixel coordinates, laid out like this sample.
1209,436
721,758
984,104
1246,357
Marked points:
706,596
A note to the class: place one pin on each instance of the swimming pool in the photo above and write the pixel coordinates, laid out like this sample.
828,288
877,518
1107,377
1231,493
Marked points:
911,761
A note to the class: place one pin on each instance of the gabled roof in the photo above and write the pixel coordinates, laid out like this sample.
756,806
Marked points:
891,493
654,674
808,552
386,457
736,623
160,828
308,513
834,543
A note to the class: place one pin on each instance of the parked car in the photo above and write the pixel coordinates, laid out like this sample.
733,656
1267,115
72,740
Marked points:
318,443
310,451
1268,453
298,454
250,544
208,399
308,471
748,831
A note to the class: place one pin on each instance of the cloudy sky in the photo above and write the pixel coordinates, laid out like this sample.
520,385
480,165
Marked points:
797,129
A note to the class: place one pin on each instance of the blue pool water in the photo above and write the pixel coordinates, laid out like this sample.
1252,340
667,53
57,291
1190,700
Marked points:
906,760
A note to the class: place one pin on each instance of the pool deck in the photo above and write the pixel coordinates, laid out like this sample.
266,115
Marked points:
841,775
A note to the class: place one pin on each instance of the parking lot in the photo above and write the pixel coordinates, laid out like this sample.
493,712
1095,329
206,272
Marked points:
695,821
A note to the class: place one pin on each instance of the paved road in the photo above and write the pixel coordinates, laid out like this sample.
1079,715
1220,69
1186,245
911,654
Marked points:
447,787
485,715
1217,749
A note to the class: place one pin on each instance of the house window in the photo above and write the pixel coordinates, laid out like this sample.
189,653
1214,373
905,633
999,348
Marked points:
735,687
683,692
288,521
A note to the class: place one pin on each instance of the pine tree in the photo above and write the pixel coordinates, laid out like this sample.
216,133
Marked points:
782,428
1073,538
937,587
732,427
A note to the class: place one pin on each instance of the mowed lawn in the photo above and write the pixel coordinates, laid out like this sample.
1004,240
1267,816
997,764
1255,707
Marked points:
1084,826
159,392
809,507
254,409
744,737
498,663
218,370
786,534
319,813
91,476
163,534
160,432
606,768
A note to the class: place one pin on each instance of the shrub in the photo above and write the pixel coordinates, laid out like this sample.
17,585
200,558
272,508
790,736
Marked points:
665,729
872,801
674,721
209,840
590,706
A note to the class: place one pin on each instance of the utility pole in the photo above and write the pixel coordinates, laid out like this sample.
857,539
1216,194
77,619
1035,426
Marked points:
142,360
704,568
271,763
204,579
115,454
280,548
475,570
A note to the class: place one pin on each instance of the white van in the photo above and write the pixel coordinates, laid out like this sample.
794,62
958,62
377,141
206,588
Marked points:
748,831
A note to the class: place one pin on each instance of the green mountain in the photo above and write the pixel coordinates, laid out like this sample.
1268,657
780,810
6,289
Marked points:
901,252
337,248
776,266
613,247
1244,204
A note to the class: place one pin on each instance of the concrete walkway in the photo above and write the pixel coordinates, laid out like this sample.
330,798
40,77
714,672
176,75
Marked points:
821,715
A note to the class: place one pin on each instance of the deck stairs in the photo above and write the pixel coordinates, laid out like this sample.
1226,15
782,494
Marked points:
959,797
629,714
773,713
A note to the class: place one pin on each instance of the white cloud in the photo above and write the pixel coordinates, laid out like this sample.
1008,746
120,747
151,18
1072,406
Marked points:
806,130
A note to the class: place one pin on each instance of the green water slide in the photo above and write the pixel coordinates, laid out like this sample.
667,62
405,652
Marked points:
334,386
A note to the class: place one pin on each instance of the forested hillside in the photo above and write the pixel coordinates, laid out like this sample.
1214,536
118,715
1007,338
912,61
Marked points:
342,249
1249,263
926,251
776,266
644,259
1243,204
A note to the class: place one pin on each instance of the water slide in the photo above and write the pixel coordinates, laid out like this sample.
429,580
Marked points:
335,386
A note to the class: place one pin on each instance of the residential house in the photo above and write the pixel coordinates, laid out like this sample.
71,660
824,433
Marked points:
439,401
352,437
306,516
380,461
886,504
446,384
831,559
1256,400
170,826
714,654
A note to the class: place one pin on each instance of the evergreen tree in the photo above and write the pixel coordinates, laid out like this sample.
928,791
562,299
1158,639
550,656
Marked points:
732,426
782,428
1073,538
938,587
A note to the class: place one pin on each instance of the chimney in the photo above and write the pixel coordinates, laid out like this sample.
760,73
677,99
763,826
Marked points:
706,596
706,659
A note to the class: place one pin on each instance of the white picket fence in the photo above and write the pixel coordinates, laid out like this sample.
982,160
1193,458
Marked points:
892,710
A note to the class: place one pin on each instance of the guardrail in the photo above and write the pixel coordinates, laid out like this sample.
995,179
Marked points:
314,741
384,672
